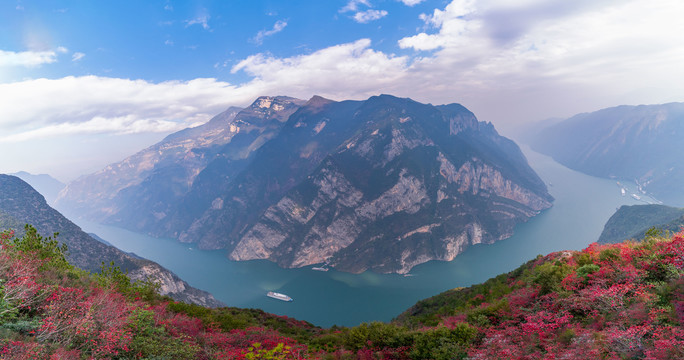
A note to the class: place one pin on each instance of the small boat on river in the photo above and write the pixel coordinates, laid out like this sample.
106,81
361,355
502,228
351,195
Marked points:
278,296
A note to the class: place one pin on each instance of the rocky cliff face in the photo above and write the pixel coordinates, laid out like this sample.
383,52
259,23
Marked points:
20,204
625,142
382,184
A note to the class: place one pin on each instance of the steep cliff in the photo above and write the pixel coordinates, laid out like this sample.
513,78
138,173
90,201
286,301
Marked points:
21,204
412,183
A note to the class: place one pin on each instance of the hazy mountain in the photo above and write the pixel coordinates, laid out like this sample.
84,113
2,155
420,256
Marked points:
142,189
385,184
625,142
45,184
632,222
20,204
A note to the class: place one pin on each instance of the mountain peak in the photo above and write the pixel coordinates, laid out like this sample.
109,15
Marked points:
316,103
275,103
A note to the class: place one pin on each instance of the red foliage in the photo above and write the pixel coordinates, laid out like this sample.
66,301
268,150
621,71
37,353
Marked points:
628,302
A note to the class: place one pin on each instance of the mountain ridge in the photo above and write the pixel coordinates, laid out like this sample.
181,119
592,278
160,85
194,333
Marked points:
636,143
351,166
634,222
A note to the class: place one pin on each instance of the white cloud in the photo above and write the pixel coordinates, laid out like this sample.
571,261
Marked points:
27,58
411,2
508,61
534,56
168,42
454,25
77,56
94,104
277,27
369,15
40,108
352,70
353,5
202,20
122,125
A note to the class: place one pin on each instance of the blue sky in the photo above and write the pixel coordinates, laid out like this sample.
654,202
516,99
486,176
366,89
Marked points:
181,40
87,83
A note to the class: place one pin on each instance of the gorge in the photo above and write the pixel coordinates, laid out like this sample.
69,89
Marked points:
383,184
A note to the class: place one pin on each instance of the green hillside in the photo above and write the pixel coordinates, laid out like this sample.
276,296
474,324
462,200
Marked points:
632,222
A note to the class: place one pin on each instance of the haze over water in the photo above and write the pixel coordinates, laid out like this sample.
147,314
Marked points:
583,205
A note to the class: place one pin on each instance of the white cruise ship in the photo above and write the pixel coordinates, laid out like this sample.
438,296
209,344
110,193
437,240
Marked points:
278,296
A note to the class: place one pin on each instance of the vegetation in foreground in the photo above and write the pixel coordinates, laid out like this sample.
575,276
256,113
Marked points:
622,301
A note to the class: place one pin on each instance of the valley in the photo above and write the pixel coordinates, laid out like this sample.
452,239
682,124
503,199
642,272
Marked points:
641,144
333,297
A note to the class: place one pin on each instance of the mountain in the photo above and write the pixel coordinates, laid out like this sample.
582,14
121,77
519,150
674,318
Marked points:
45,184
382,184
641,143
143,188
632,222
20,204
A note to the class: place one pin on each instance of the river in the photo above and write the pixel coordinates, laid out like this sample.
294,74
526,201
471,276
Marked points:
583,205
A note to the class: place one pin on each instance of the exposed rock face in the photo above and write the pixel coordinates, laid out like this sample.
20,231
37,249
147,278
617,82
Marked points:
382,184
170,284
388,199
625,142
20,204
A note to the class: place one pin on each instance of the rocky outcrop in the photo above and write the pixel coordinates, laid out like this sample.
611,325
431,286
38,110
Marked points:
476,177
173,286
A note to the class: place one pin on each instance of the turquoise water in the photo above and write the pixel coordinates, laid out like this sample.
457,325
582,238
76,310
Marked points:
583,204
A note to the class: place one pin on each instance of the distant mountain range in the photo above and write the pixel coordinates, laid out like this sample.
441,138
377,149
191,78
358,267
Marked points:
632,222
382,184
642,143
20,204
45,184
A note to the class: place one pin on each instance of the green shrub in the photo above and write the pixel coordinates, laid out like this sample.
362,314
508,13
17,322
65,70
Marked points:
153,342
549,276
585,270
442,343
112,276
